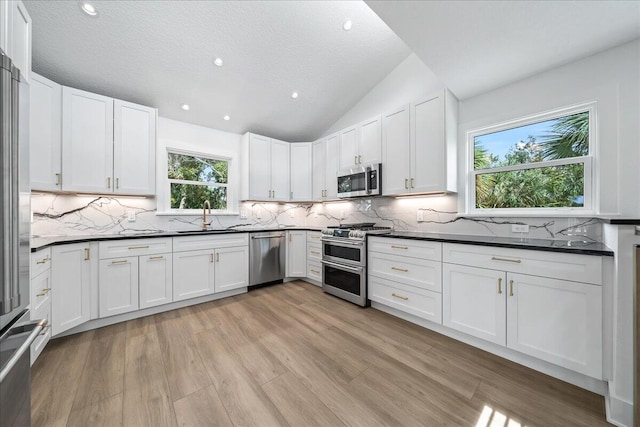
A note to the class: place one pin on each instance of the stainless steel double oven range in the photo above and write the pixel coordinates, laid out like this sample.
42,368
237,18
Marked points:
344,260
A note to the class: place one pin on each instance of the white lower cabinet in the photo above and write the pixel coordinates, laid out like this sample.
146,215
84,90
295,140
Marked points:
118,286
419,302
40,298
156,280
71,283
474,301
296,264
231,268
193,274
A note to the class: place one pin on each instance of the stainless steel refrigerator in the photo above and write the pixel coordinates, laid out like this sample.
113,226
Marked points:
17,332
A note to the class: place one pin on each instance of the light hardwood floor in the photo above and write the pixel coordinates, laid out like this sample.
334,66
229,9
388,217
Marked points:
290,355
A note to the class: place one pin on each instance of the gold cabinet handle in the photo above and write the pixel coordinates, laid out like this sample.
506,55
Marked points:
45,329
359,159
313,236
500,285
58,180
398,296
412,186
153,258
139,247
117,183
43,260
495,258
290,237
120,261
404,270
211,258
315,252
217,257
87,254
44,292
510,288
355,160
399,247
406,183
108,182
314,271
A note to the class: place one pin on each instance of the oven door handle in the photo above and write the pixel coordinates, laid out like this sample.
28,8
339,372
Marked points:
343,267
367,184
341,242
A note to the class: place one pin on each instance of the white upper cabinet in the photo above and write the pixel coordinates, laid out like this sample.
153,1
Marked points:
370,141
348,147
396,144
265,168
301,167
108,146
318,158
87,141
419,146
45,131
134,148
331,168
4,25
17,32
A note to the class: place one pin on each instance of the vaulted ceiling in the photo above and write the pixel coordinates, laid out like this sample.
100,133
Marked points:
161,53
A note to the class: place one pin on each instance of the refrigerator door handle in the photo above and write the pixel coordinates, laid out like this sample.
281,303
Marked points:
15,187
6,134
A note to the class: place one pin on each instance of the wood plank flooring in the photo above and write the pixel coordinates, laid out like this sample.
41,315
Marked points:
290,355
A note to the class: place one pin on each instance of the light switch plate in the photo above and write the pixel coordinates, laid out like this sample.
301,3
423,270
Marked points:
420,215
131,216
520,228
243,214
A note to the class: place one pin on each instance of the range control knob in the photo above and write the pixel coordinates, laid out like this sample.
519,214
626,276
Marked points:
356,234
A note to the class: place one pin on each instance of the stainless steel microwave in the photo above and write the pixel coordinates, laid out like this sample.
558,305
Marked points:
360,181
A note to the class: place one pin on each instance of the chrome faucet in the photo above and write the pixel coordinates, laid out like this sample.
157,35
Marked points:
205,224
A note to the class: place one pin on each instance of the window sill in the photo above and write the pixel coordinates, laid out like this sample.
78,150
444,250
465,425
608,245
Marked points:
169,213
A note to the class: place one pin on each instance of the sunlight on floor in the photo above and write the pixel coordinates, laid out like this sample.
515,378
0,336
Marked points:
492,418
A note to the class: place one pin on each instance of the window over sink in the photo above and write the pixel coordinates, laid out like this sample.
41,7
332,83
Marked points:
533,165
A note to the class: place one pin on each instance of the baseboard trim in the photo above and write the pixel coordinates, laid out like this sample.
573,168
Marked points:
112,320
577,379
619,411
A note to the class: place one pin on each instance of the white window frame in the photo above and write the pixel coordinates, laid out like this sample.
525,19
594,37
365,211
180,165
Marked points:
589,205
167,183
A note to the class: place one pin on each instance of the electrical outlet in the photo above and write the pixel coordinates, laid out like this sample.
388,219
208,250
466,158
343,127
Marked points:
342,215
131,216
243,214
520,228
257,214
420,216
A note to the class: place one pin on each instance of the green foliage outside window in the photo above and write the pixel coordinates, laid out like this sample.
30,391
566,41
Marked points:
194,179
555,186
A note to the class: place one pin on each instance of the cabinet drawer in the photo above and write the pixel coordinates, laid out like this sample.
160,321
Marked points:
424,304
405,247
41,290
210,241
557,265
314,271
314,252
314,237
416,272
40,261
41,341
134,247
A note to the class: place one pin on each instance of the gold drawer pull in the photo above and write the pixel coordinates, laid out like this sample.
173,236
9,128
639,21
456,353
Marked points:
217,256
156,257
404,270
87,254
58,179
510,288
495,258
314,236
314,271
500,285
399,247
315,252
121,261
43,260
139,247
44,292
44,330
398,296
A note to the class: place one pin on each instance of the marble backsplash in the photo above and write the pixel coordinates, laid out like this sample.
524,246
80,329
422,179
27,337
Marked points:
55,215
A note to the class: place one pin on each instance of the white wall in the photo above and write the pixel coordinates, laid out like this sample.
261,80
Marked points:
409,81
197,139
611,78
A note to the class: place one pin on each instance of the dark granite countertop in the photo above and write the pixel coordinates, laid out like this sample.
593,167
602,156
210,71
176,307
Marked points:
620,220
41,242
573,246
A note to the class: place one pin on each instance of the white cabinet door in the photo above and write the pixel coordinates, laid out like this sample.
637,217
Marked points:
370,141
301,172
193,274
4,26
156,280
348,147
118,286
259,167
45,134
473,301
396,152
87,141
428,163
332,164
232,268
318,167
71,286
134,148
556,320
20,38
279,170
296,253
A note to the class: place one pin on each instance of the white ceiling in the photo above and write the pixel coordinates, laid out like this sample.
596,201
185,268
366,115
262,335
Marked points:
476,46
160,53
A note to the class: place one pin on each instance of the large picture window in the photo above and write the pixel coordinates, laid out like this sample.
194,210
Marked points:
192,179
540,163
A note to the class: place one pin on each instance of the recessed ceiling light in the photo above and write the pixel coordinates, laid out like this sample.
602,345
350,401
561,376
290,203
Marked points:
88,8
185,107
347,25
294,95
227,118
218,62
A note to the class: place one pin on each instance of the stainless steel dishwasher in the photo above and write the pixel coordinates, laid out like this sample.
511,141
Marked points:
266,257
